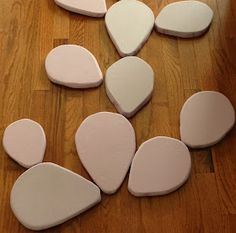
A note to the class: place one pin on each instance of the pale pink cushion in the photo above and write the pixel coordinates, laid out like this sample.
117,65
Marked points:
105,143
94,8
206,117
47,195
25,142
129,84
184,19
160,166
73,66
129,24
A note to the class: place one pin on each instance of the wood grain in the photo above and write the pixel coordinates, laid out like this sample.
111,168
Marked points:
30,29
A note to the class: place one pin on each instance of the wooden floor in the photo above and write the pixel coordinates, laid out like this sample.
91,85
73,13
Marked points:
29,29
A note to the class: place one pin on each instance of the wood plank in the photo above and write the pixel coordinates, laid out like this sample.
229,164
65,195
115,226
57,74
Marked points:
30,29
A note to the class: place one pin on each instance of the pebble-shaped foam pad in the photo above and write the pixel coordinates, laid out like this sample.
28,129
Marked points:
25,142
47,195
129,24
105,144
129,84
160,166
94,8
73,66
206,117
184,19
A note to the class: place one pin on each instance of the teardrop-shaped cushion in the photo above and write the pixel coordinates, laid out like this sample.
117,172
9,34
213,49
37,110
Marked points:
129,24
94,8
105,144
160,166
184,19
129,84
47,195
73,66
205,118
25,142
